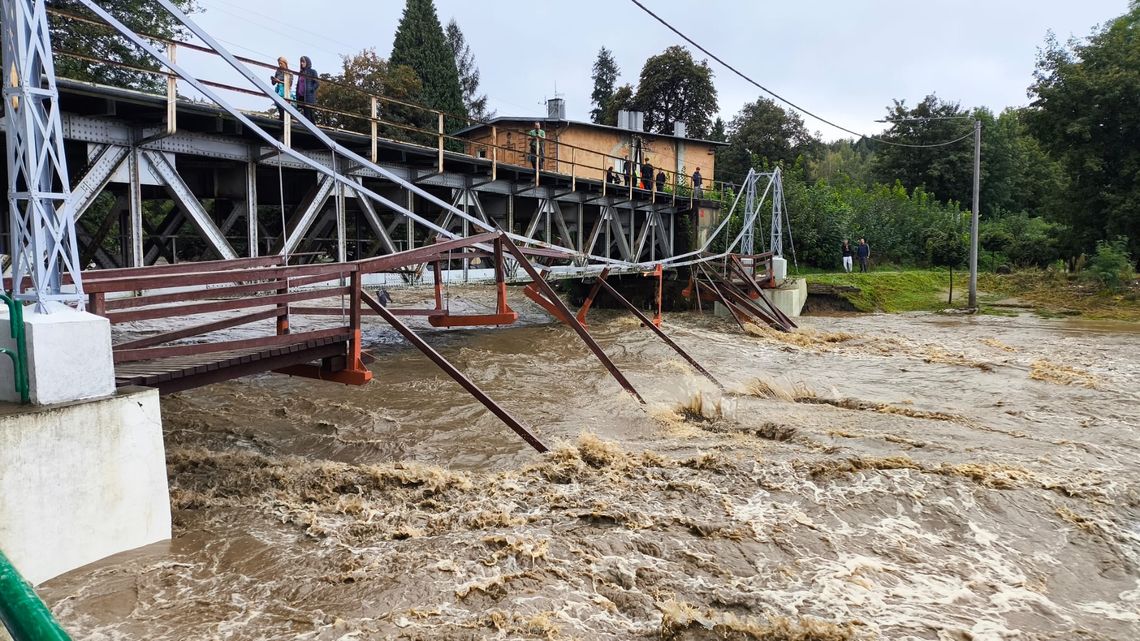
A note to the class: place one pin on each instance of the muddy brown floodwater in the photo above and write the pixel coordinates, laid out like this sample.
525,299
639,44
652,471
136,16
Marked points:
869,477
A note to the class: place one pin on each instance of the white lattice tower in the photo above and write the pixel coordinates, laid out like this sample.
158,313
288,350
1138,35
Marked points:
42,229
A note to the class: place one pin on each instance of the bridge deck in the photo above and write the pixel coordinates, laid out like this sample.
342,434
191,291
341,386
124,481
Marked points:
179,373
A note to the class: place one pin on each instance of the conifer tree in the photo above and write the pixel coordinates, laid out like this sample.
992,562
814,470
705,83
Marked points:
605,83
421,45
475,102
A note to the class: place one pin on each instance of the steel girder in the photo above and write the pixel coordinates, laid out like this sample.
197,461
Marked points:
186,199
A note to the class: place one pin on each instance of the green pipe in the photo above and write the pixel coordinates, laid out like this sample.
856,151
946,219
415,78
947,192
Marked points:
22,612
20,357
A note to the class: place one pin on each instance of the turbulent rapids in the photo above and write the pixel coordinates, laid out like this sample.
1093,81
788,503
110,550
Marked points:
870,477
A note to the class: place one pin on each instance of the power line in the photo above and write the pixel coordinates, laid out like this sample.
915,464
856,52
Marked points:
783,99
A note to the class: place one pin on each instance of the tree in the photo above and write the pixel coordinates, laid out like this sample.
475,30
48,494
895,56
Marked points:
70,36
674,88
762,134
605,79
468,71
421,45
719,132
944,171
622,100
1085,112
842,160
367,73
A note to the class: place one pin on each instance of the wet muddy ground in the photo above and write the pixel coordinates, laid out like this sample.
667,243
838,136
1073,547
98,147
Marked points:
868,477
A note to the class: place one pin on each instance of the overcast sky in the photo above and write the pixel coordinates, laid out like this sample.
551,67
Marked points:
845,59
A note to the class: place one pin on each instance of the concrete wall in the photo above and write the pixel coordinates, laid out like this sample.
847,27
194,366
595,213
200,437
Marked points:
789,297
81,481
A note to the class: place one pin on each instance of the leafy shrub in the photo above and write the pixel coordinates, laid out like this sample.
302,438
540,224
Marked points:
1111,266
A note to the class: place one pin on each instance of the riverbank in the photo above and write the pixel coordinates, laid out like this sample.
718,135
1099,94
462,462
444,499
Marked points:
1043,292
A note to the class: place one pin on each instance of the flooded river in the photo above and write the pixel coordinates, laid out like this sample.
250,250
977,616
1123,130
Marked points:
869,477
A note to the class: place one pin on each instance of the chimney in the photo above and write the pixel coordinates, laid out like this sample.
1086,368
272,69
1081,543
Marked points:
679,129
631,120
556,109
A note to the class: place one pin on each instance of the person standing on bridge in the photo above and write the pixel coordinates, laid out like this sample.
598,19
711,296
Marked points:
646,174
611,175
307,84
848,253
698,180
282,83
537,145
863,251
661,178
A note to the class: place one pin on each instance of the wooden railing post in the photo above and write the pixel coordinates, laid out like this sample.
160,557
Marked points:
573,172
375,125
441,141
171,92
494,153
283,310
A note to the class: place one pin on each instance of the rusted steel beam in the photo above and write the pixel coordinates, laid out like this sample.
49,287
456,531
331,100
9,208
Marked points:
150,353
590,298
132,283
720,297
657,330
424,254
205,328
786,323
455,374
544,290
185,296
221,305
749,306
336,311
184,268
531,292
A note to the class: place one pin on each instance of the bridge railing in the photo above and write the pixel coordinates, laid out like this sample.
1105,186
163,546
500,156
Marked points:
426,127
25,616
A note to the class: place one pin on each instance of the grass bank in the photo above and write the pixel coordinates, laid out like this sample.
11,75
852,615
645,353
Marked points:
1045,292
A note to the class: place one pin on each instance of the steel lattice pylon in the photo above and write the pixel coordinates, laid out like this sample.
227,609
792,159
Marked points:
752,205
42,230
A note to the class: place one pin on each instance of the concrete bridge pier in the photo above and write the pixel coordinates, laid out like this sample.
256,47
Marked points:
82,467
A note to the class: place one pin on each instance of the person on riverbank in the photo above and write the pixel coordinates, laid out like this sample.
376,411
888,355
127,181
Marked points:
307,84
863,251
848,253
282,81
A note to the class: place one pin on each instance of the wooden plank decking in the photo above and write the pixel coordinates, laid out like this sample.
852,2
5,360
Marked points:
178,373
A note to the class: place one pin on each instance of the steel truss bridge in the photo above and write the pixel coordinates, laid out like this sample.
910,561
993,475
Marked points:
283,215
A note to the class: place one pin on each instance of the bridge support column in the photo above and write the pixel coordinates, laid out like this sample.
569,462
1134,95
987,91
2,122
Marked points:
82,481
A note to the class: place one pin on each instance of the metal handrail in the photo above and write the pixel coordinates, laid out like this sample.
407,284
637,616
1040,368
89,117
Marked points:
19,355
22,612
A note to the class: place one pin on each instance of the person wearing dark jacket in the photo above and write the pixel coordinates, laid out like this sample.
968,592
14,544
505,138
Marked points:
661,178
646,174
697,182
847,252
307,84
611,175
863,251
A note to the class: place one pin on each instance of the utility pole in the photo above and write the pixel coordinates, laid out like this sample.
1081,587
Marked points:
973,304
974,216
